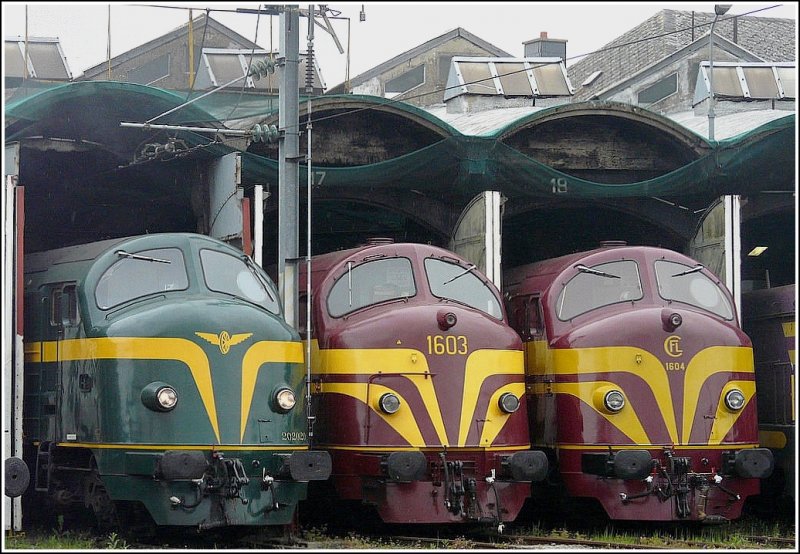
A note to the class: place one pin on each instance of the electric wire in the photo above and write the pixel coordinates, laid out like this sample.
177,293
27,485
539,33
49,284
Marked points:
478,81
249,64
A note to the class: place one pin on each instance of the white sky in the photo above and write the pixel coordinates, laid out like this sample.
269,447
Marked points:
391,28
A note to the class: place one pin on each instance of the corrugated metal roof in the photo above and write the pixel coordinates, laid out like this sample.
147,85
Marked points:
488,122
483,122
729,125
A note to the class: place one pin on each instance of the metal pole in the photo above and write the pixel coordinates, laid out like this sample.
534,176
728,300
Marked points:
309,92
258,225
719,9
711,80
288,158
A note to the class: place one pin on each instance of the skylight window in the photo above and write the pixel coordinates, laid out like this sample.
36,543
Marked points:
508,77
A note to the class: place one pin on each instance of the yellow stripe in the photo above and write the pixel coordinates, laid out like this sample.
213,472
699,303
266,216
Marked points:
788,332
495,418
772,439
425,449
401,421
368,361
49,352
33,352
726,446
724,418
136,348
625,420
480,365
408,362
214,447
413,365
258,354
621,359
707,362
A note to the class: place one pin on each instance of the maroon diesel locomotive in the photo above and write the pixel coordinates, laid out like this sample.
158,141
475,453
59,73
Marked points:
417,384
640,383
769,318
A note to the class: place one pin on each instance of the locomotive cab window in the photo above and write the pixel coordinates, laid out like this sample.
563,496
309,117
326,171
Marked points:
370,283
239,277
455,282
64,306
598,286
141,274
689,285
533,323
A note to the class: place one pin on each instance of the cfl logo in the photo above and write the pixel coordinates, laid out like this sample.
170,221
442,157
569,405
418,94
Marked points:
672,346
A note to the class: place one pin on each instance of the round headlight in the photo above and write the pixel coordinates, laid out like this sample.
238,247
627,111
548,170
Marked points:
389,403
614,401
508,403
159,396
167,398
734,399
285,399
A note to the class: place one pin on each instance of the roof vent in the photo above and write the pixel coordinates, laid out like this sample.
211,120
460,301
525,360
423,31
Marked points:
612,243
377,241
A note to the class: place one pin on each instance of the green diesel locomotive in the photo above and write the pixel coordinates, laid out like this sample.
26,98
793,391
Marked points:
163,385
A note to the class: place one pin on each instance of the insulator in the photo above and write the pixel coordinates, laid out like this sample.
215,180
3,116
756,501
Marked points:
310,68
260,68
265,133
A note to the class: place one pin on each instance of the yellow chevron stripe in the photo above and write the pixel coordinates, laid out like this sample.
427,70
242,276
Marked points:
391,361
626,359
706,363
480,365
625,420
402,421
413,365
724,418
136,348
495,419
257,355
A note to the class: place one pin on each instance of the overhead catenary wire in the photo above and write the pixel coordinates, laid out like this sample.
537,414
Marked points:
390,102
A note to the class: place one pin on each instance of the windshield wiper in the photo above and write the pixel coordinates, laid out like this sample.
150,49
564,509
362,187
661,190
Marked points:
695,269
470,268
583,269
251,265
138,257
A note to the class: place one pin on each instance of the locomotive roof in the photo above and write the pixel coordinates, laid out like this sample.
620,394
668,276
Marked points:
321,264
552,266
771,302
324,261
40,261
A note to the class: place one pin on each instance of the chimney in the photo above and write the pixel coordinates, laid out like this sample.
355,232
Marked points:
544,47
